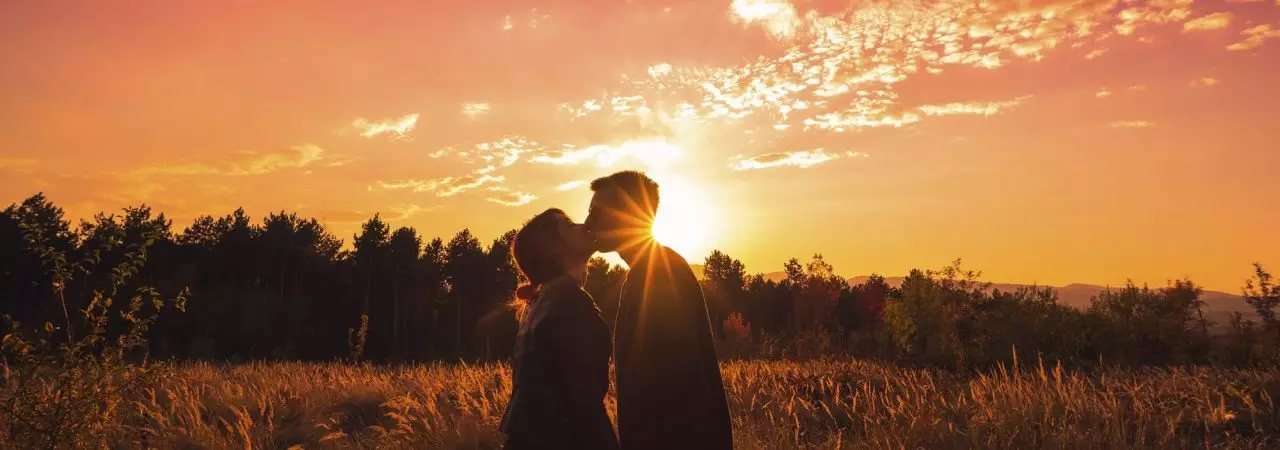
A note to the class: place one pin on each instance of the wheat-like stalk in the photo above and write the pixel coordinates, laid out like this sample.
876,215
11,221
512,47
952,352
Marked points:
777,404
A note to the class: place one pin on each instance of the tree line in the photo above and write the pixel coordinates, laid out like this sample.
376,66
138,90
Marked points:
947,317
284,287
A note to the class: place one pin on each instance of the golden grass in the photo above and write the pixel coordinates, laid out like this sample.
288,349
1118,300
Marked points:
818,404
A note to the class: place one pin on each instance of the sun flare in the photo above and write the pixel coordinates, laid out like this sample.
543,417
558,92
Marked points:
687,221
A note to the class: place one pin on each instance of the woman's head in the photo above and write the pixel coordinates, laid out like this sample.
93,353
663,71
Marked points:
547,247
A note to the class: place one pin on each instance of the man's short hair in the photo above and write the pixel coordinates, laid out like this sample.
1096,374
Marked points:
636,186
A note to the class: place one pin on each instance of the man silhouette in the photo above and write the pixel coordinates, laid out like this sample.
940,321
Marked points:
670,394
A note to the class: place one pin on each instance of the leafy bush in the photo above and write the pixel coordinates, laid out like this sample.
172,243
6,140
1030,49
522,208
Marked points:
58,390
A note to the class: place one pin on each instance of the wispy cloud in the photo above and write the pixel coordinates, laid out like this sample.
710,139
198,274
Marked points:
249,163
1132,124
296,157
142,183
398,127
854,119
475,109
513,198
17,164
654,153
442,187
407,210
1136,15
571,185
1254,37
569,155
414,185
835,72
1215,21
450,186
532,19
1104,93
507,150
801,159
181,168
659,70
1205,82
976,108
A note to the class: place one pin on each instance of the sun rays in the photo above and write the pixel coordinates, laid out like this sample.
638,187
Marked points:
687,221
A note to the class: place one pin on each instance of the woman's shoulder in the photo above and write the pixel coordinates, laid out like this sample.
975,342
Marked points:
565,292
563,287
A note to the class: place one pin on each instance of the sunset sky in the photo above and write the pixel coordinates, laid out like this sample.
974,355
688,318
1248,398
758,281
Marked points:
1042,141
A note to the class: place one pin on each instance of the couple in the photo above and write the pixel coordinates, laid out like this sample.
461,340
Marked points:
669,391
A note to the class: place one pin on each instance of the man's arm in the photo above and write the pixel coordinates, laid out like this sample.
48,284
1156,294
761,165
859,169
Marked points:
678,313
701,328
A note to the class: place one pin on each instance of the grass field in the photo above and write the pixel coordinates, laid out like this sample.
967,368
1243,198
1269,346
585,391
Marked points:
819,404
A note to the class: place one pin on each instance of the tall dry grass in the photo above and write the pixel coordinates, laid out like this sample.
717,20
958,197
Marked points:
818,404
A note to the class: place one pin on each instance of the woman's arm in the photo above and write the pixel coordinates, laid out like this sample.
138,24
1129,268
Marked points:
580,340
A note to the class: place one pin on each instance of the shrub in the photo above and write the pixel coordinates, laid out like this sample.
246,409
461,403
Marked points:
57,390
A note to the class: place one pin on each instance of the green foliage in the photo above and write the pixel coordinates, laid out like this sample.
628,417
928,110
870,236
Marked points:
816,295
1030,319
933,320
58,390
725,280
948,318
1152,326
356,339
604,283
1264,296
469,277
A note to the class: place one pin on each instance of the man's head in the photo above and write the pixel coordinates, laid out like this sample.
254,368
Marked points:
622,210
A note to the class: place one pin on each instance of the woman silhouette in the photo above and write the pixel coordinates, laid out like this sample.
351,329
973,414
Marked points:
560,369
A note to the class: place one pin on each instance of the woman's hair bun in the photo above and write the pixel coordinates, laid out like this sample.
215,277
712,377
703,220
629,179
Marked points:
527,292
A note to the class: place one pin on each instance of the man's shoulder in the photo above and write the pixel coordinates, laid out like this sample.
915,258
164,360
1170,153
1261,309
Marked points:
660,255
661,270
675,262
664,268
669,254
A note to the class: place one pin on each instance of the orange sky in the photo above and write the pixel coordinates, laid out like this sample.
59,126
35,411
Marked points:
1043,141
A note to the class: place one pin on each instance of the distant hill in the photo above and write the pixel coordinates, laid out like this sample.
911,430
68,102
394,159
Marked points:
699,270
1218,306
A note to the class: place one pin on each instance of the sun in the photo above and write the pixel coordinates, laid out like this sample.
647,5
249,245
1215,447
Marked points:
687,221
